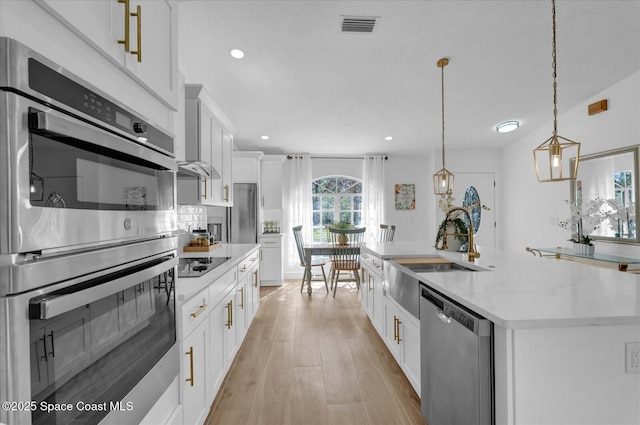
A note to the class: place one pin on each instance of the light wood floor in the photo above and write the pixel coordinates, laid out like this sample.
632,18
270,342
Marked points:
314,360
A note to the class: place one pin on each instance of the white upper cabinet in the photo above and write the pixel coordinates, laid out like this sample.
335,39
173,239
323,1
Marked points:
208,139
246,166
156,66
271,177
104,25
222,150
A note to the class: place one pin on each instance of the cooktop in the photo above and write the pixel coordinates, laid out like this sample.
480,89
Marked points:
196,267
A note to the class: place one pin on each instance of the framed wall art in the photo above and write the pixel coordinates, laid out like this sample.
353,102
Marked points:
405,196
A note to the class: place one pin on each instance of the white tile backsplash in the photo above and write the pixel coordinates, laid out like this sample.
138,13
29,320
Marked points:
190,217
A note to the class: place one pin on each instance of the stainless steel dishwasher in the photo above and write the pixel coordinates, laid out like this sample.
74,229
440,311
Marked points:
456,351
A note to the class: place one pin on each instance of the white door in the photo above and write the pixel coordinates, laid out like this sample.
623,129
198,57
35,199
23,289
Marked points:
484,185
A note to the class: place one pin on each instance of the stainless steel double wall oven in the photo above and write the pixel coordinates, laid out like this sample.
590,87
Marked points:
87,253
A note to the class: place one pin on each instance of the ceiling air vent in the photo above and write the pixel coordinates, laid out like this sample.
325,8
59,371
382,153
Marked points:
358,23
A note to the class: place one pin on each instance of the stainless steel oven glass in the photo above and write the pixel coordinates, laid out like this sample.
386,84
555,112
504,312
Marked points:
90,357
75,157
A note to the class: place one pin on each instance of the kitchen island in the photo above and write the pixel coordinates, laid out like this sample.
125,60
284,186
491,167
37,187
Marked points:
560,332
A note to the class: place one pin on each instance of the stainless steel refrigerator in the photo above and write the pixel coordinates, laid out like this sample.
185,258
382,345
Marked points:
242,219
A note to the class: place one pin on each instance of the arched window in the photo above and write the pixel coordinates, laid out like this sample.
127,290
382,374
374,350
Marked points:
335,199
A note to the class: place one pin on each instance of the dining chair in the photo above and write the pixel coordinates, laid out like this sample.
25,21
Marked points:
345,253
387,231
315,262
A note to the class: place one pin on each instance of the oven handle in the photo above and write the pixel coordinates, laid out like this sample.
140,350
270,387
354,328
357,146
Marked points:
62,301
57,124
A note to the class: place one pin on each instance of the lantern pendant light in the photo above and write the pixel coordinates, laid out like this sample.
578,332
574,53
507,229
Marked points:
557,158
443,179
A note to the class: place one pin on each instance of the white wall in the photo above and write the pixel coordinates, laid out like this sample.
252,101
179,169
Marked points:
411,225
531,209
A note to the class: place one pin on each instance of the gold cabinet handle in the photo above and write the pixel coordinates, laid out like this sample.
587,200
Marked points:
202,308
398,331
205,188
241,298
395,328
229,308
190,354
255,279
53,347
138,15
226,193
127,40
44,344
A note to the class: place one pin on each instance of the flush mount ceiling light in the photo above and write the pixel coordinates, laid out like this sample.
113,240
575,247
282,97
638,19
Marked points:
553,156
507,126
443,179
388,138
264,137
237,53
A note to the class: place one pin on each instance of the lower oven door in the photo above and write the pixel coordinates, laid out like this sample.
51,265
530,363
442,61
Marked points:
99,348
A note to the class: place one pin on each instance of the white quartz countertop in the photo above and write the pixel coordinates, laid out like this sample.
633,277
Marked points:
518,290
189,286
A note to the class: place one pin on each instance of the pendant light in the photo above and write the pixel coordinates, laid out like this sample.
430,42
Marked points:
443,179
553,158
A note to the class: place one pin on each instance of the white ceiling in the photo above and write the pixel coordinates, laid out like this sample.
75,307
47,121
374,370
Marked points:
313,89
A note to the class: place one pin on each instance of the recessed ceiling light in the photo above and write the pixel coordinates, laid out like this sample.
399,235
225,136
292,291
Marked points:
264,137
237,53
388,138
507,126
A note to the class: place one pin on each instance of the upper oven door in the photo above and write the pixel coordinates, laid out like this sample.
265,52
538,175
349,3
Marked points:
71,184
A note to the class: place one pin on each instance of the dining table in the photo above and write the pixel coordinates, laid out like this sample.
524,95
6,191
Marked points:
316,248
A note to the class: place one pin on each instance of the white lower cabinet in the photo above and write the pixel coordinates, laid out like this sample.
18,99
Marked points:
195,359
218,319
254,293
214,323
372,296
410,351
402,336
399,329
271,259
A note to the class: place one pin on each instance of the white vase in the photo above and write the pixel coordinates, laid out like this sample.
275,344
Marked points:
583,249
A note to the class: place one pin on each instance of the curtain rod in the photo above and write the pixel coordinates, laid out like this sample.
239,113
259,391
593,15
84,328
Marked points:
335,157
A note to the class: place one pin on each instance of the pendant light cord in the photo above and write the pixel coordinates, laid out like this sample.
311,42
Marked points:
553,64
442,98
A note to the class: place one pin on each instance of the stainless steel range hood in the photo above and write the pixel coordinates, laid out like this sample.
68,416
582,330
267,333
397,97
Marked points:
197,169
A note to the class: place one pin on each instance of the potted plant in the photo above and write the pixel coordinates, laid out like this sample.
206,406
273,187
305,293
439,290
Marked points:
343,239
584,220
454,226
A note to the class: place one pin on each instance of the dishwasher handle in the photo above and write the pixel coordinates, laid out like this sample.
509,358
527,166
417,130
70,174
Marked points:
438,303
443,317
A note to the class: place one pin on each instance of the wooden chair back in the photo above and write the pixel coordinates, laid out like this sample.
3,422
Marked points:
387,232
345,247
297,234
